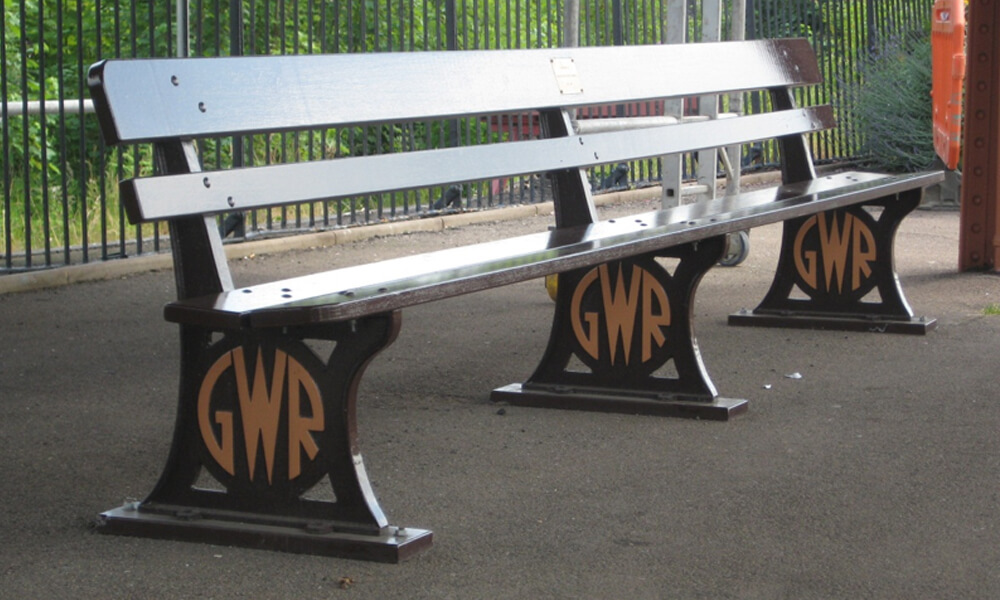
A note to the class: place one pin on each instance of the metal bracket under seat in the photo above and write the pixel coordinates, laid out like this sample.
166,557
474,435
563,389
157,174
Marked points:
835,271
617,330
265,451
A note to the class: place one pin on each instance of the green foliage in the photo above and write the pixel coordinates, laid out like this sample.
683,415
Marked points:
788,18
892,107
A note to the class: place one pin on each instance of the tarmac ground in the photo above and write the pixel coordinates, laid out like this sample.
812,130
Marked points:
873,475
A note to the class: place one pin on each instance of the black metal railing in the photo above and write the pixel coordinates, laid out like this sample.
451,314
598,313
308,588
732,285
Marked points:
59,199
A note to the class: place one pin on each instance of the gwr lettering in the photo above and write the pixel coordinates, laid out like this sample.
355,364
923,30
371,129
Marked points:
855,239
621,309
260,412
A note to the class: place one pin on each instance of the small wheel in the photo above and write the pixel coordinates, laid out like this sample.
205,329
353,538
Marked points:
552,285
737,249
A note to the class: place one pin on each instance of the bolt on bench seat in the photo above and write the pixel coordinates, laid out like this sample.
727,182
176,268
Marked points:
265,419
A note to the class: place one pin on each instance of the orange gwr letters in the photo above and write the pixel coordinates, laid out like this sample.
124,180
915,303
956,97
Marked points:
620,308
588,337
260,412
222,451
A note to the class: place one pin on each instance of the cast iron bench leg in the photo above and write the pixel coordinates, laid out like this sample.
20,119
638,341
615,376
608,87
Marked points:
836,271
616,328
265,450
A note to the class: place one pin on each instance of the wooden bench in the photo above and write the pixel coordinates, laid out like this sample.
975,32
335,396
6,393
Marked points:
245,452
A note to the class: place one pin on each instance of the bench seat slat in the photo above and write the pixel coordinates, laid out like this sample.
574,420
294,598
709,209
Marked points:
155,198
393,284
156,99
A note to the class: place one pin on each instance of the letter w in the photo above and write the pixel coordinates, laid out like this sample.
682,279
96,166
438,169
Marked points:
835,244
260,409
619,309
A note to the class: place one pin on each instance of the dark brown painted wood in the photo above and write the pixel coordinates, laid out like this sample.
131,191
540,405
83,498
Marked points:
155,198
354,291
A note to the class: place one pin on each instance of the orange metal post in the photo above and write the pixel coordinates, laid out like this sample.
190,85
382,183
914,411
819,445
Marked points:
979,245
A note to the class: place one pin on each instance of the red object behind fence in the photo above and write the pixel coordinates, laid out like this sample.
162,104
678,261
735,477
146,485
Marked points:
948,62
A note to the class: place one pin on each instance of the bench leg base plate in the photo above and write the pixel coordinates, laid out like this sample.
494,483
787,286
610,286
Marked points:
912,325
717,409
393,545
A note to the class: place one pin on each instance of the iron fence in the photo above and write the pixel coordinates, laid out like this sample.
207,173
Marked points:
59,198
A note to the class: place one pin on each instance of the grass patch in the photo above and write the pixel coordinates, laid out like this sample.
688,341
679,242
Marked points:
992,309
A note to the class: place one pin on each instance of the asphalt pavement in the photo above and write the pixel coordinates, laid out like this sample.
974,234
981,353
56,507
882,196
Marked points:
866,466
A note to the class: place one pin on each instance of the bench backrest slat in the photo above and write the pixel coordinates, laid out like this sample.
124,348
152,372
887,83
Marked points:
157,99
171,196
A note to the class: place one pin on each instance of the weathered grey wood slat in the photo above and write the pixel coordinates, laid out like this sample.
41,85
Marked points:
154,198
152,100
389,285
